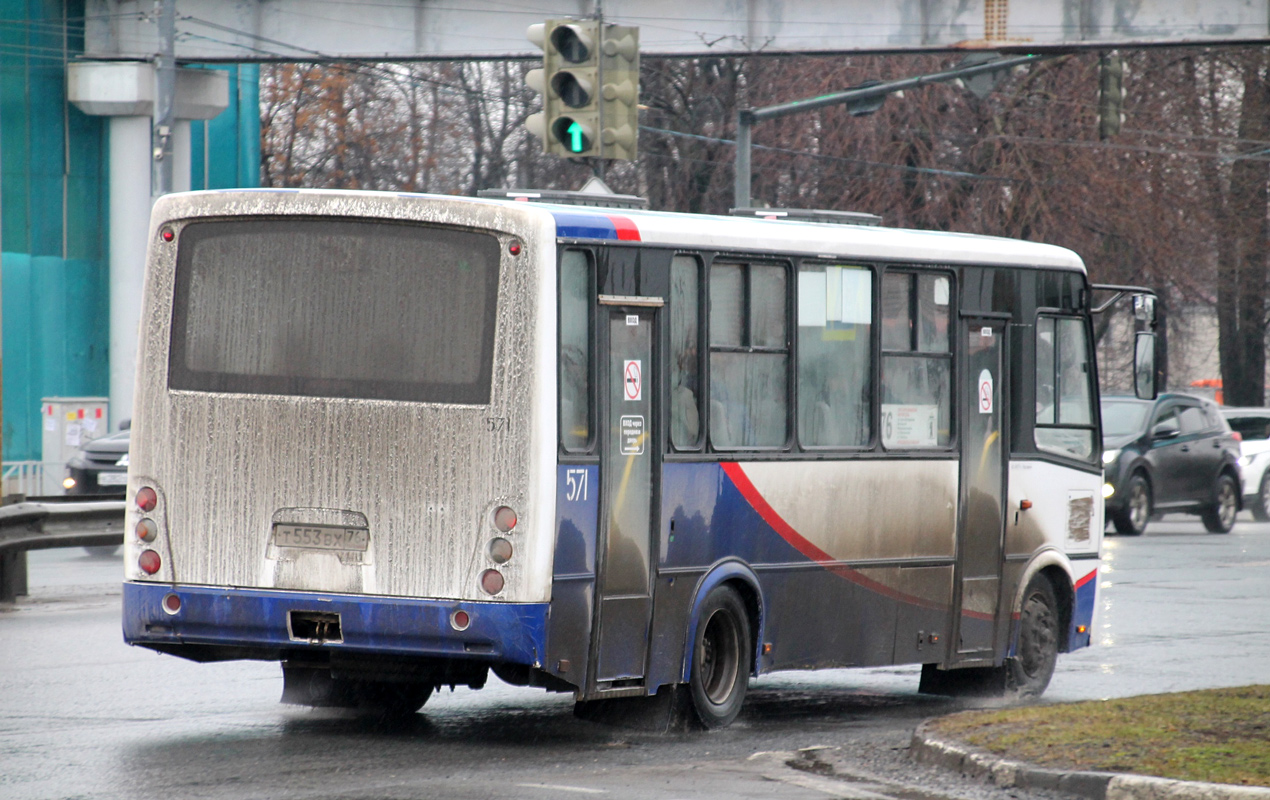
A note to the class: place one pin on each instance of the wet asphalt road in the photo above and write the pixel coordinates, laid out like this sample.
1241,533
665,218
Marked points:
84,716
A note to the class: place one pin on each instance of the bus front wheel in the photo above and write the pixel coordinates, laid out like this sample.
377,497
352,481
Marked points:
1029,671
720,658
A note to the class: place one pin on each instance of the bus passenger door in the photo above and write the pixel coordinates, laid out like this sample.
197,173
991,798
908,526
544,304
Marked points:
979,546
627,470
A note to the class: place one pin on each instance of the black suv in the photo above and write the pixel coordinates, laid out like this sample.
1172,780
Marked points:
1173,454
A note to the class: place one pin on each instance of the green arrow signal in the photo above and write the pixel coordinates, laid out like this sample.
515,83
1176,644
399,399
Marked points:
575,137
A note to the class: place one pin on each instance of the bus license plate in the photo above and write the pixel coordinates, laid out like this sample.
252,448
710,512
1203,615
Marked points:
112,479
321,537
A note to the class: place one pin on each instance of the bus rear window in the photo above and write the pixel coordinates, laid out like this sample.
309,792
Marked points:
335,308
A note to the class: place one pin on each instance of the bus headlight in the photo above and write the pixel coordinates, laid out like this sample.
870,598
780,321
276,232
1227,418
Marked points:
1110,456
1108,490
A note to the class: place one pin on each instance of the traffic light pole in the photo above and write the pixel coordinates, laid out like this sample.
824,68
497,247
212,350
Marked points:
867,98
164,119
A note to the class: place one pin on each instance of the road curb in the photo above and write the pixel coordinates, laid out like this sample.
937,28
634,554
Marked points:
928,748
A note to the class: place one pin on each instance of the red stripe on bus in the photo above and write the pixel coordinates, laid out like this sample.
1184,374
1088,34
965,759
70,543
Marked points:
811,551
1086,579
626,230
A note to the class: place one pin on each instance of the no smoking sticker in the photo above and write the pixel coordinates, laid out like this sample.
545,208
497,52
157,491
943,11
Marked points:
985,392
632,380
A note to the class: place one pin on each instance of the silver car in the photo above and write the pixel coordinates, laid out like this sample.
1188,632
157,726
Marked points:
1253,424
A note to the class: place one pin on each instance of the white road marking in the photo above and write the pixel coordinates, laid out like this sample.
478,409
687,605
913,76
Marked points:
559,788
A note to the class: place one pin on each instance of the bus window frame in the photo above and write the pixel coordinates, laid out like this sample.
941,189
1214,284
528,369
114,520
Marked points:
954,355
589,451
1091,379
703,363
747,260
873,442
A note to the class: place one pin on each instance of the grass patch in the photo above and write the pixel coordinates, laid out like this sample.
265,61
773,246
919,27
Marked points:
1217,735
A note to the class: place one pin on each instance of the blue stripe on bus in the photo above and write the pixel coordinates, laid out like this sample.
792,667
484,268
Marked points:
254,618
581,225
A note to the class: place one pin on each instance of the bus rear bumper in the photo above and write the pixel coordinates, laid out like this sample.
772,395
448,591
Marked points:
215,623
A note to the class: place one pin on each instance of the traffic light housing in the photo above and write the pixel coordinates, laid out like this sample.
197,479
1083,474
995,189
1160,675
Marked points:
1110,95
619,93
570,120
580,117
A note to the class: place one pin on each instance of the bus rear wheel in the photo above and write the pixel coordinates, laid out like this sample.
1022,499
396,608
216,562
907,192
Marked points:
721,651
1028,672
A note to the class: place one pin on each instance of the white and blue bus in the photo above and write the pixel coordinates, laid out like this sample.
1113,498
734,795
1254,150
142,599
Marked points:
397,441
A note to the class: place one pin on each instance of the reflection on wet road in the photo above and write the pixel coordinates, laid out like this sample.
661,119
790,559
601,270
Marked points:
86,716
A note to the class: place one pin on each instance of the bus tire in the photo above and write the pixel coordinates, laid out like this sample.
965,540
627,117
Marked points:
1029,670
1133,518
721,652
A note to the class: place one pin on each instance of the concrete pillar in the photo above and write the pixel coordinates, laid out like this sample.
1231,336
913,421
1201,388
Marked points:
124,91
129,223
181,156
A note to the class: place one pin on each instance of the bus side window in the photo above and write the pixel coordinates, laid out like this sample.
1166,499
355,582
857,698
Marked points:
575,350
749,355
685,417
916,360
1064,394
835,355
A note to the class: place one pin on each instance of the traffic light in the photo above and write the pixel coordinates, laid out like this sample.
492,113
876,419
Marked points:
589,83
619,104
1110,95
569,78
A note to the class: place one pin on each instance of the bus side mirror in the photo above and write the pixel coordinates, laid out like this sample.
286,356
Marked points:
1144,366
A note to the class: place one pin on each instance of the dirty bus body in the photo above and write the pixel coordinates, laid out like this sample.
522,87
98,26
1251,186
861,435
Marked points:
395,441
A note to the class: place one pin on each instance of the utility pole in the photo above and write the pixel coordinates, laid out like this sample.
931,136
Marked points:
860,101
164,119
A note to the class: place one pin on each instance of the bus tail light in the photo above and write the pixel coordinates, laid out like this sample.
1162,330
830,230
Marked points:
492,581
171,604
146,529
504,518
147,499
500,550
149,562
460,620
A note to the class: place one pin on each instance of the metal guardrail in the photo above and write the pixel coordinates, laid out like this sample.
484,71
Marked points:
48,522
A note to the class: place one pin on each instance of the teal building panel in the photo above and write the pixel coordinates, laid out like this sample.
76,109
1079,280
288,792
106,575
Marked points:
54,217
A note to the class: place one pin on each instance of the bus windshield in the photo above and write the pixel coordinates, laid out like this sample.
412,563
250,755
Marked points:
335,308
